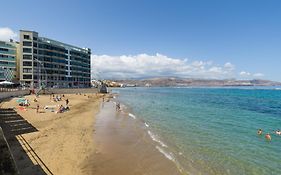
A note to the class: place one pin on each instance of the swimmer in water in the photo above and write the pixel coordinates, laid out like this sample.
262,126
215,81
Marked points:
259,132
268,137
278,132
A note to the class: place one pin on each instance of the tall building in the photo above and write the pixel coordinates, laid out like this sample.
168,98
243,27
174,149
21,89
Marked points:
43,61
8,56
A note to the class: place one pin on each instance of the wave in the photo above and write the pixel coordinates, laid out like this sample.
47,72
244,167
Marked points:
156,139
162,146
167,155
170,156
132,115
147,125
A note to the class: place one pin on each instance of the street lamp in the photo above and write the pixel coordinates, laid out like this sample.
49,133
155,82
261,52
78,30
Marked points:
39,75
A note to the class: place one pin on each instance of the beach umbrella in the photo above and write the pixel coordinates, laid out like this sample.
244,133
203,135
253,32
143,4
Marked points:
6,83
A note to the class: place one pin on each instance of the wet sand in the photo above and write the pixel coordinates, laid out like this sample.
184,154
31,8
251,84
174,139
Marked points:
123,147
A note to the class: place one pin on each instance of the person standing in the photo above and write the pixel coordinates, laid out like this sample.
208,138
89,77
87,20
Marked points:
37,108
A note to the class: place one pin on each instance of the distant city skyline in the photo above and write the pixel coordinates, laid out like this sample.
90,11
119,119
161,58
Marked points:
131,39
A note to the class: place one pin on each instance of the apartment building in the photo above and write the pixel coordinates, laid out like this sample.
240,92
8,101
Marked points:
47,62
8,62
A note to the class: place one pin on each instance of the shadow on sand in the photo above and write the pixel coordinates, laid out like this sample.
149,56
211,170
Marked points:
27,161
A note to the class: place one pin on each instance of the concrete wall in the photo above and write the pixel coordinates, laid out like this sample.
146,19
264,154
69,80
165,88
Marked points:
72,91
4,95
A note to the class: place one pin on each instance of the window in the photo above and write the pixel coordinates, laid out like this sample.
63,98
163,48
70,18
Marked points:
34,44
34,38
26,50
26,37
27,76
27,43
27,63
27,57
35,51
3,49
3,62
27,70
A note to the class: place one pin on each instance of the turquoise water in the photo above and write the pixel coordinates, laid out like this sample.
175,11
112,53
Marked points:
212,130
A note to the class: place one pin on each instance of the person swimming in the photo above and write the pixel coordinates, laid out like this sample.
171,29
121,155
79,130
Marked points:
259,132
278,132
268,137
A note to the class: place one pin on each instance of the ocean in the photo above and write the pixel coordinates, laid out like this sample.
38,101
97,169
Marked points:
211,130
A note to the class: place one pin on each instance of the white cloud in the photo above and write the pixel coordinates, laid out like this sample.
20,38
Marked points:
258,75
143,65
6,34
229,66
245,74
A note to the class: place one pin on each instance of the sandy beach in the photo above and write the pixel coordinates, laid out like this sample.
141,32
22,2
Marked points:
91,138
51,143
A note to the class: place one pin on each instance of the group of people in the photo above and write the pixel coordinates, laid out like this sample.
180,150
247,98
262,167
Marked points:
62,109
25,102
118,107
56,98
268,136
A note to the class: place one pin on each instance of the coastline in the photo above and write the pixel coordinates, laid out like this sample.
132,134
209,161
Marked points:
50,143
91,138
124,146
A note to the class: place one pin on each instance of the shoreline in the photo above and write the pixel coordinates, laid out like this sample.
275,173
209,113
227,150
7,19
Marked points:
125,147
91,138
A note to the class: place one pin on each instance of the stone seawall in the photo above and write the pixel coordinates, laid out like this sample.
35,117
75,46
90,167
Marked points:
72,91
4,95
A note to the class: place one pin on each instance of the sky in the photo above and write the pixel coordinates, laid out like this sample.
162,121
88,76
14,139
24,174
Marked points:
217,39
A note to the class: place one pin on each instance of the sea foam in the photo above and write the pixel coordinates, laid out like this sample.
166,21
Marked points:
156,139
132,115
167,155
147,125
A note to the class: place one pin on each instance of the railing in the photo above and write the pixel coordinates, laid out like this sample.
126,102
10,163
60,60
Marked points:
9,89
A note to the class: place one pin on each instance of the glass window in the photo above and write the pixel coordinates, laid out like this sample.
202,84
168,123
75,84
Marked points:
26,50
3,49
27,43
26,37
27,57
27,76
27,70
27,63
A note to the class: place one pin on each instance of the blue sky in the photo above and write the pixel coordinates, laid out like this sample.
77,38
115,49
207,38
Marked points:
200,38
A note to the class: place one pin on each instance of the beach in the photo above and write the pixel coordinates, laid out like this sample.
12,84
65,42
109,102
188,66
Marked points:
156,131
124,147
90,138
49,142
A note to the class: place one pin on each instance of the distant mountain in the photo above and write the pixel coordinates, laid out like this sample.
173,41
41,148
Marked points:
172,81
